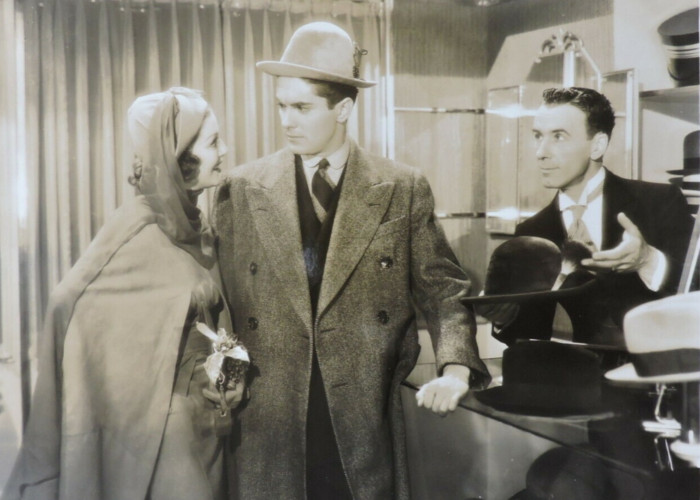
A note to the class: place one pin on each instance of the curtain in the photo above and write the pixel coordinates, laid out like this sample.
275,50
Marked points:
84,62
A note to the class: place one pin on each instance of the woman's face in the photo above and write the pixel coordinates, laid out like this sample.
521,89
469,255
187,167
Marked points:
210,149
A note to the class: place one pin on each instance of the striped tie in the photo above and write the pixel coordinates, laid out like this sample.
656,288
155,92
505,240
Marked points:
322,186
578,230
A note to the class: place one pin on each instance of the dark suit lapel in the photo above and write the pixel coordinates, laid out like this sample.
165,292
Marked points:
616,199
276,217
364,199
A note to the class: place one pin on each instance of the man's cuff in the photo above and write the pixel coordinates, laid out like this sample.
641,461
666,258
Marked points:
653,272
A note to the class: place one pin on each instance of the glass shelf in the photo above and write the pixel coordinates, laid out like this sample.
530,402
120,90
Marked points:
677,102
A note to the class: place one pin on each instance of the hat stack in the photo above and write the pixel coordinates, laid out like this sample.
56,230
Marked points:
688,177
679,35
663,339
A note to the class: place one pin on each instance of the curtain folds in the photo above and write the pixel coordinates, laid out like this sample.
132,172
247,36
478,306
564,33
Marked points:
84,63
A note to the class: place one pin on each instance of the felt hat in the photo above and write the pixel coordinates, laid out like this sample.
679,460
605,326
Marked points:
526,268
691,156
679,35
663,339
565,473
548,379
320,51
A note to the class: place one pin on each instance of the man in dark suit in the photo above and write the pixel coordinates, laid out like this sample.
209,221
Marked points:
638,232
323,249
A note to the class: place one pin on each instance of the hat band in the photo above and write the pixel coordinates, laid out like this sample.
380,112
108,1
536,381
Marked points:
652,364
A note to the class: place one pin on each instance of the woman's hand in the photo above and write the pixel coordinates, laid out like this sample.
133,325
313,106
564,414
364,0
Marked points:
233,397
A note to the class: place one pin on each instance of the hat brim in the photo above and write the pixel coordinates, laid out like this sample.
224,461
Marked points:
540,403
627,373
277,68
530,296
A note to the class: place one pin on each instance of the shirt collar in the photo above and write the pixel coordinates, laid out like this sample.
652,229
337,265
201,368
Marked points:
336,160
565,201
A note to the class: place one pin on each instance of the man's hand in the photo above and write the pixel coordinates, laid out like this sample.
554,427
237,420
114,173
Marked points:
631,254
499,314
443,393
233,396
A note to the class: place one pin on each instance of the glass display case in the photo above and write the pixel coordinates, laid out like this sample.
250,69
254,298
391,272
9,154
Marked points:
478,452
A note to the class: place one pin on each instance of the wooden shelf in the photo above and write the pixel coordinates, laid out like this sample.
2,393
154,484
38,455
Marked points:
678,102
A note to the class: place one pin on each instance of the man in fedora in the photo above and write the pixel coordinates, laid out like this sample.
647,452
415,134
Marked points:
323,250
638,232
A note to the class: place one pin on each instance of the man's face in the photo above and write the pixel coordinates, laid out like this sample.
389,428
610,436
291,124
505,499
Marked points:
311,127
563,146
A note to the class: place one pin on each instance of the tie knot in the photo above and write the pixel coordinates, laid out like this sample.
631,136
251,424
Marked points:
577,211
323,164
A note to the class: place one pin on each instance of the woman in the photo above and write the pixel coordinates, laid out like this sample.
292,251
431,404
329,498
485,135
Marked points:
120,409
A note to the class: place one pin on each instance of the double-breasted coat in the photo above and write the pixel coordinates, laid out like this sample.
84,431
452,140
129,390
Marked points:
386,253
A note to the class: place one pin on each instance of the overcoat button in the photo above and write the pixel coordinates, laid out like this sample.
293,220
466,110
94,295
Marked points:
386,262
383,317
253,268
252,324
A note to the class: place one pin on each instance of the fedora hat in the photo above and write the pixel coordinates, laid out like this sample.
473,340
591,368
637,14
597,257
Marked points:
663,339
547,378
527,268
320,51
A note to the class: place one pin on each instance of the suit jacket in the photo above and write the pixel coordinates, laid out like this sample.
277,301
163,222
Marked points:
660,212
386,251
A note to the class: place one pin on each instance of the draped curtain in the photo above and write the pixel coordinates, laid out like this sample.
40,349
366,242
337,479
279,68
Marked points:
83,63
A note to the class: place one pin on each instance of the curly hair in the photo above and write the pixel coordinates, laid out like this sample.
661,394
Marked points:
188,162
600,116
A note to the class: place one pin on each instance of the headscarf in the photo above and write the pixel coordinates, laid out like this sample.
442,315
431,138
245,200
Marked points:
162,125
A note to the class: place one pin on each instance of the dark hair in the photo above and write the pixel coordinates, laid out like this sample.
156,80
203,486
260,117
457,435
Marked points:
333,92
600,116
189,164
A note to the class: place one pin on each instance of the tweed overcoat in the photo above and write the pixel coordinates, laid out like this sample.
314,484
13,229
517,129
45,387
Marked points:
386,252
661,214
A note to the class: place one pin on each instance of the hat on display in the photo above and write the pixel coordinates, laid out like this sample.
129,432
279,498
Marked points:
547,378
527,268
320,51
691,156
679,35
663,340
574,474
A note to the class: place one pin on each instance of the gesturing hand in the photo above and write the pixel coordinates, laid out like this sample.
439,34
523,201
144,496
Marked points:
630,255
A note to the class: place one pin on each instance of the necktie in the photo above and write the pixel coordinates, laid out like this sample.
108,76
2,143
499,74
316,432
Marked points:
322,186
578,230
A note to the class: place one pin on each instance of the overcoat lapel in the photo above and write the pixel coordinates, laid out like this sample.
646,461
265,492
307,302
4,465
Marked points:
364,199
276,217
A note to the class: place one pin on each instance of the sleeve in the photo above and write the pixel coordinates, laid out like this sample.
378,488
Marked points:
438,283
669,229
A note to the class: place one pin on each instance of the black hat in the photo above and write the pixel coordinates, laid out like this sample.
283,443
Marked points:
548,379
577,474
691,155
679,35
526,268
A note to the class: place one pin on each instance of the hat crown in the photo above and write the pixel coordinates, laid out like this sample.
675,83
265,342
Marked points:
665,324
323,46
